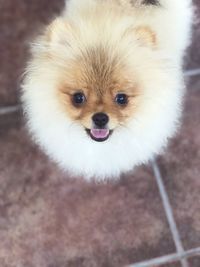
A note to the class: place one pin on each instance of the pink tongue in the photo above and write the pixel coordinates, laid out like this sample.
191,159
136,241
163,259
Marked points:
99,133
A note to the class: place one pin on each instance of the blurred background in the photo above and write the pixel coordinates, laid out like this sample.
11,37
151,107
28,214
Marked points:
48,219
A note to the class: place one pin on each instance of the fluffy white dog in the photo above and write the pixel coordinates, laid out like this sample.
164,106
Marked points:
103,89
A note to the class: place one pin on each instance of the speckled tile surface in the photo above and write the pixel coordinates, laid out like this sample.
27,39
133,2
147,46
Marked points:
181,171
195,262
174,264
193,55
20,20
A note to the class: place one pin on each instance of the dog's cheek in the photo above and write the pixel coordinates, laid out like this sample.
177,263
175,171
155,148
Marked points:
67,106
128,112
86,122
145,36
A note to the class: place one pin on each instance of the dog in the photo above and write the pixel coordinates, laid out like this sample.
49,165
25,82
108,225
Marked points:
103,89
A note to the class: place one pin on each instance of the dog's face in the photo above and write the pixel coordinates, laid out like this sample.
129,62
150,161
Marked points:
99,89
99,97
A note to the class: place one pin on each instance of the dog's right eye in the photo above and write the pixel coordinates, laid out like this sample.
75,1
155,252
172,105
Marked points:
78,99
121,99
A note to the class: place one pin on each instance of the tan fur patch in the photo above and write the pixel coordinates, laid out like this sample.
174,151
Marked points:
146,36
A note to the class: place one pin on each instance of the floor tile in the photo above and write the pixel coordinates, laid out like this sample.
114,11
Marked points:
193,55
49,219
9,121
195,262
181,170
193,83
19,21
174,264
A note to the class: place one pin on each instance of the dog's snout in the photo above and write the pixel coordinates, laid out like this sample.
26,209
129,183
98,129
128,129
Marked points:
100,119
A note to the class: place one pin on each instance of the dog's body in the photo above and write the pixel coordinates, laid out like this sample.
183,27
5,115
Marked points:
108,71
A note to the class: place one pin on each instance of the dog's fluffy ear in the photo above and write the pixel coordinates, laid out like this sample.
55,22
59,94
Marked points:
145,36
56,31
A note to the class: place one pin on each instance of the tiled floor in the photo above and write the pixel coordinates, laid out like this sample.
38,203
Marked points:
193,57
50,220
181,171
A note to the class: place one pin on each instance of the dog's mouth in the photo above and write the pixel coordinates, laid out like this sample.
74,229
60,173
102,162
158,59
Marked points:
99,135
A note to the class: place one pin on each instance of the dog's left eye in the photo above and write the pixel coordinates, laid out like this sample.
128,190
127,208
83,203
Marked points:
79,98
121,99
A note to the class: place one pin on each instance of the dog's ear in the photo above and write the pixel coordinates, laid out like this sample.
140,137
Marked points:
56,31
145,36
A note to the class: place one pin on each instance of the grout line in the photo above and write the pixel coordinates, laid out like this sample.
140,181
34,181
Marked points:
169,212
168,258
193,72
9,109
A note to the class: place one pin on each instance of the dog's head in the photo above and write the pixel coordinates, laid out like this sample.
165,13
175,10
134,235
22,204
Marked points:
99,86
100,95
97,92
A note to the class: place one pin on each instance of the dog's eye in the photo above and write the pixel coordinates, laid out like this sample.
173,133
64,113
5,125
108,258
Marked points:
79,98
121,99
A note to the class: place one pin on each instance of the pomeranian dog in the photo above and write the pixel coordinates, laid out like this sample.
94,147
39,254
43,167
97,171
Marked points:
103,89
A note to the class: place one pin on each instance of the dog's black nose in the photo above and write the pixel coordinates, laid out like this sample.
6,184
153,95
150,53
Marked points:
100,119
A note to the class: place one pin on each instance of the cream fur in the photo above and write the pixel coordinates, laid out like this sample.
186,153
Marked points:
159,70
